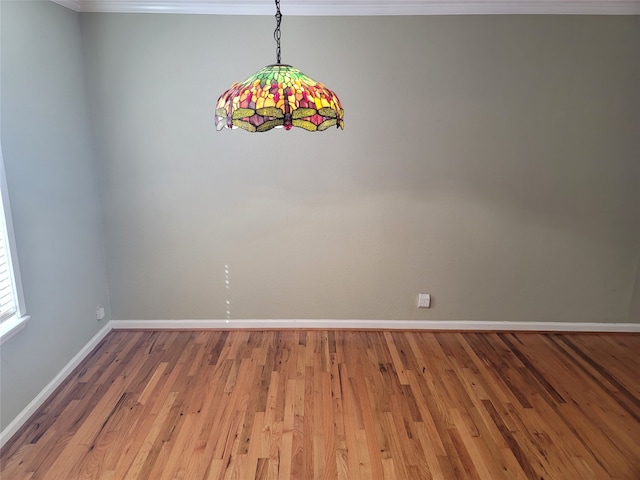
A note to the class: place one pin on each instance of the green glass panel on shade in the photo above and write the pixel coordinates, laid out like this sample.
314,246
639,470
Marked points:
279,96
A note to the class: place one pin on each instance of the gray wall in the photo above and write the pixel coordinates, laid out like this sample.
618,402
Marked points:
490,161
51,173
634,310
634,315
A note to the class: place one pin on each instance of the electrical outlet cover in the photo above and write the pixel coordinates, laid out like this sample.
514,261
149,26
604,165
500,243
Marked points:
424,300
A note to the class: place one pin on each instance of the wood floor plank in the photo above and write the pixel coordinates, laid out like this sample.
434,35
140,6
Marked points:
346,405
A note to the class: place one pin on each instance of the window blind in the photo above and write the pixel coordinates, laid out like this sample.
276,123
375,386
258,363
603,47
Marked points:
7,289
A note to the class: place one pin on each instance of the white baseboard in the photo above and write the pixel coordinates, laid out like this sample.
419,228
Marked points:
456,325
37,402
451,325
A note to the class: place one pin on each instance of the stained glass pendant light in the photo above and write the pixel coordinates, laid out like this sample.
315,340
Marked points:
279,95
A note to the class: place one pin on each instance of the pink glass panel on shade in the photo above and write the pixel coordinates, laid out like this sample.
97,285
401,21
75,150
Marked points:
279,96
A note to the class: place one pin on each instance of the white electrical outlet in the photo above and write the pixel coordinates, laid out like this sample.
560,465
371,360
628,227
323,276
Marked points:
99,312
424,300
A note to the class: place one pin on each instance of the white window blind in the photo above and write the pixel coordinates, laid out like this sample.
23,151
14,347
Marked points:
12,315
7,287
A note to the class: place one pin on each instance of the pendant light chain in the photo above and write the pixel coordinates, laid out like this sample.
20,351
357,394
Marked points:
276,33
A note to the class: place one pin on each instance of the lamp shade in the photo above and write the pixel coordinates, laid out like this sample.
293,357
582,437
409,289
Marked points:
279,96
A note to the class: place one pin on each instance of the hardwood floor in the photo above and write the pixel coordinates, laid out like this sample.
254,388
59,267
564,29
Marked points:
340,405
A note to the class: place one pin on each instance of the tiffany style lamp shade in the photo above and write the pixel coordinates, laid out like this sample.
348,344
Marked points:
279,95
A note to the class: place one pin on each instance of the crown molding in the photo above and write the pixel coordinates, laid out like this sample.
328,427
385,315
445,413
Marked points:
362,7
72,4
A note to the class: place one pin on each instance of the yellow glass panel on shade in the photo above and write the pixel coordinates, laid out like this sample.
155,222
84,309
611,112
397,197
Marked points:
279,96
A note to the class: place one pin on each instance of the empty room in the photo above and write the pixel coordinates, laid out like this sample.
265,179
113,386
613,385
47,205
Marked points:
341,240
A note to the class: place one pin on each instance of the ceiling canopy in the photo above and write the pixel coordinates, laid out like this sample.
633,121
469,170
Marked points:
362,7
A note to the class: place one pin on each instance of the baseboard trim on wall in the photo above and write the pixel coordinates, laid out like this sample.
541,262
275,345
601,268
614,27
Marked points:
44,394
454,325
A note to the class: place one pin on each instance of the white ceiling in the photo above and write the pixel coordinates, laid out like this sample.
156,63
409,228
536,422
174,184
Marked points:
361,7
